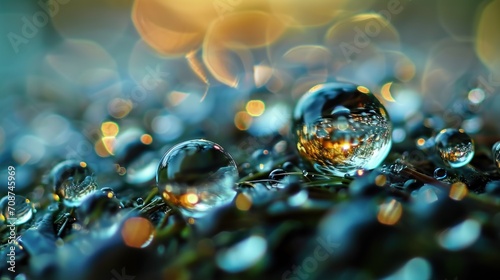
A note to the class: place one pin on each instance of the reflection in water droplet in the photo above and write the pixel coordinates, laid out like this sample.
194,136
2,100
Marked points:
72,181
496,154
242,255
460,236
134,157
196,176
455,147
262,160
16,209
345,142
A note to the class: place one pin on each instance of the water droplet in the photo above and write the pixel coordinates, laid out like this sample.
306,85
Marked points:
277,176
262,160
136,159
440,173
496,154
339,142
16,209
455,147
139,201
72,181
196,176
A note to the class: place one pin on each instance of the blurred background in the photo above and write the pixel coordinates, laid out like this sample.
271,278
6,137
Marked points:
93,79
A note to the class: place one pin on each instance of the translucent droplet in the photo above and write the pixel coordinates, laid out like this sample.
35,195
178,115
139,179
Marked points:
72,181
340,128
262,160
440,173
134,154
455,147
496,154
196,176
16,209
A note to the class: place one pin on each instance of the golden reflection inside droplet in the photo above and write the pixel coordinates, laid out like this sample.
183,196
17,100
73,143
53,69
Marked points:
137,232
363,89
390,213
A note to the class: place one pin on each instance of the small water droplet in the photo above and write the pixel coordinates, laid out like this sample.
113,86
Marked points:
262,160
135,157
340,141
16,209
455,147
72,181
440,173
139,201
196,176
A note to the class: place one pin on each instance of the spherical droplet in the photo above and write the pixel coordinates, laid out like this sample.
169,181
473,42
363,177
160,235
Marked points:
16,209
496,154
455,147
197,175
72,181
340,128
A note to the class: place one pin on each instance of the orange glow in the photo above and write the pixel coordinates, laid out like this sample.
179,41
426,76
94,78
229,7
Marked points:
242,120
421,141
100,149
255,108
386,92
83,164
380,180
119,108
458,191
390,213
243,202
192,198
146,139
108,142
363,89
176,97
137,232
109,129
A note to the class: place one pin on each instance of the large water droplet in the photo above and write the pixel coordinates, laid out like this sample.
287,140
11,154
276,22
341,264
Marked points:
341,141
72,181
195,176
455,147
496,154
16,209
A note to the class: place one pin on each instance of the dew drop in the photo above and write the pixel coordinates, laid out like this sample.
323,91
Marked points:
16,209
72,181
339,142
496,154
196,176
262,160
440,173
455,147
